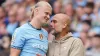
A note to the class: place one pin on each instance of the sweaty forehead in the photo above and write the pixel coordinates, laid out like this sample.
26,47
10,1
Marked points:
56,18
62,18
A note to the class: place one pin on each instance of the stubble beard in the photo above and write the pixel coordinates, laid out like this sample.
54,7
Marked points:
56,34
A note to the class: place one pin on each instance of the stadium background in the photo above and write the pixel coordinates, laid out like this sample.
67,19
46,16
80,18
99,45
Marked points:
85,16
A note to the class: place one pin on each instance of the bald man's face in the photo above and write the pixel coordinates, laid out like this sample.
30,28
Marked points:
57,24
60,23
43,14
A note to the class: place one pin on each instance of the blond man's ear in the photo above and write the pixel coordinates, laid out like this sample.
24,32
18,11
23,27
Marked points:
32,12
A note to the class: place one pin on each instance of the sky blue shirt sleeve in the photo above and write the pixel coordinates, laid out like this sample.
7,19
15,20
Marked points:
18,39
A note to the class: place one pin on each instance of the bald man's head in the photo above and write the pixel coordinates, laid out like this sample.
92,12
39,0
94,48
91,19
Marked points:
61,22
63,18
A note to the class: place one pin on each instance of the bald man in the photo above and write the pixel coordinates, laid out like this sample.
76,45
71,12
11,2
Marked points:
31,39
64,43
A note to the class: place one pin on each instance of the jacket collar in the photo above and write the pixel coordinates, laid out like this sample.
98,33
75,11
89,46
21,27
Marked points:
63,39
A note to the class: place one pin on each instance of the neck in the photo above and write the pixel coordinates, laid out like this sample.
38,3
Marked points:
61,35
35,24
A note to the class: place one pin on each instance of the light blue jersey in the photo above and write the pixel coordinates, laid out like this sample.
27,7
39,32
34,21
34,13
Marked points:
30,40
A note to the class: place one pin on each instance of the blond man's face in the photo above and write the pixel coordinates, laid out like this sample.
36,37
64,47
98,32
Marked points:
44,14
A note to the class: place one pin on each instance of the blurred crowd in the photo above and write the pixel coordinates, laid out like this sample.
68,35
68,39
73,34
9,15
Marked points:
85,16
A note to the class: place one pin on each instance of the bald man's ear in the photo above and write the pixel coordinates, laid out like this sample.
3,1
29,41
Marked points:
65,25
36,9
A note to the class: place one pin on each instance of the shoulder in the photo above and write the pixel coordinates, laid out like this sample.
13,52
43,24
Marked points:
77,41
21,29
44,31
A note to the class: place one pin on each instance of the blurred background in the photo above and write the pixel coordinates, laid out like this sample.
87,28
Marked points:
85,16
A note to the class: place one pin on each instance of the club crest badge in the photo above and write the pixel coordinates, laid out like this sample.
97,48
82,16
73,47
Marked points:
41,36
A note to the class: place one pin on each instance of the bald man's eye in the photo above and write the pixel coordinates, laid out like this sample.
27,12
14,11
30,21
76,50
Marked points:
54,21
